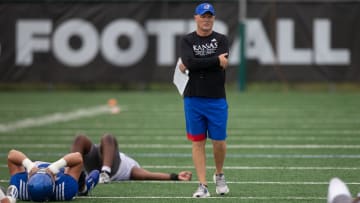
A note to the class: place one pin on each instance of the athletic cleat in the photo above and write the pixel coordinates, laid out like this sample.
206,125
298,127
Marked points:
202,192
90,182
104,177
221,186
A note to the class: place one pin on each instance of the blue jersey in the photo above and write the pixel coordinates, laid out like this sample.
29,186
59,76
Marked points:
66,187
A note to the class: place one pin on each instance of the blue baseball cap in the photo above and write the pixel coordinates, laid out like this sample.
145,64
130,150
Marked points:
203,8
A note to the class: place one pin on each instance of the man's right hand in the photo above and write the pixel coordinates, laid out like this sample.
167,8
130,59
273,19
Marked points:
223,58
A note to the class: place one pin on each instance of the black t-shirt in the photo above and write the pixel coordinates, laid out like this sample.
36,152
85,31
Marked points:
200,56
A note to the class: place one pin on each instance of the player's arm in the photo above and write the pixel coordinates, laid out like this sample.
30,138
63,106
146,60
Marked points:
223,59
142,174
19,162
72,163
184,176
191,62
223,52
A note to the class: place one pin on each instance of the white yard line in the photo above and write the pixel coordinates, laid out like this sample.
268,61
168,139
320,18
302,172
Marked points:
252,156
185,155
285,168
214,197
55,118
234,182
177,135
246,146
230,182
256,167
188,146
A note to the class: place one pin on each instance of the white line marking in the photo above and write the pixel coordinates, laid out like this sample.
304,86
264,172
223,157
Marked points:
306,146
258,168
222,197
148,135
244,146
288,168
264,156
230,182
228,155
188,146
55,118
268,135
234,182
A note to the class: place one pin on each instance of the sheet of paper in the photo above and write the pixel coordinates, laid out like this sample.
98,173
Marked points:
180,79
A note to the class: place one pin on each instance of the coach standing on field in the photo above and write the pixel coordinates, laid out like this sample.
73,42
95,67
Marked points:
204,54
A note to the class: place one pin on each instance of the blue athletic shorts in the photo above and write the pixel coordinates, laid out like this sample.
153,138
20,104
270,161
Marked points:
205,118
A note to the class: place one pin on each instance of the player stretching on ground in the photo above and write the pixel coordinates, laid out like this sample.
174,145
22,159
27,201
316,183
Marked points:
115,165
43,181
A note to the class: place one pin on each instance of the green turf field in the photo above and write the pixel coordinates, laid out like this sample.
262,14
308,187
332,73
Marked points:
282,147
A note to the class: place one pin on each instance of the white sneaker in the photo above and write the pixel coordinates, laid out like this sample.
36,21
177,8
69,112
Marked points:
104,178
221,186
201,192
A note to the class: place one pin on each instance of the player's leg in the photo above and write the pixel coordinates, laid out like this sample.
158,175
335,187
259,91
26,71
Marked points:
81,144
110,157
109,149
91,162
90,153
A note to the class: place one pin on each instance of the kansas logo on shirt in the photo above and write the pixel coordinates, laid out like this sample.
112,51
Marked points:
205,49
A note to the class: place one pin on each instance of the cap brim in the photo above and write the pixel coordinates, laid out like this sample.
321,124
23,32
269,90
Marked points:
205,12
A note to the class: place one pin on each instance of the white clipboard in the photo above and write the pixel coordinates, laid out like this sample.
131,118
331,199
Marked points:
180,79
